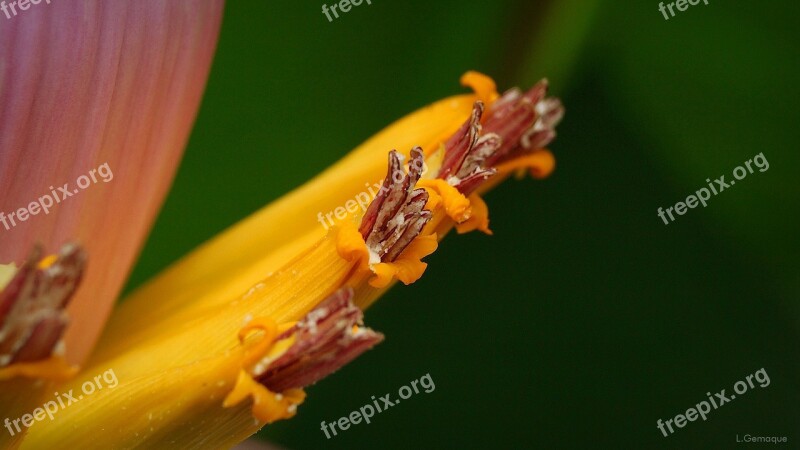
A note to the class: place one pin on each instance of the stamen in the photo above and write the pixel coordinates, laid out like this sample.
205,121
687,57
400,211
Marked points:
32,317
396,215
517,124
326,339
457,147
523,121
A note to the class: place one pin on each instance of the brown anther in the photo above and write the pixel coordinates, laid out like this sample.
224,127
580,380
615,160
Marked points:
396,215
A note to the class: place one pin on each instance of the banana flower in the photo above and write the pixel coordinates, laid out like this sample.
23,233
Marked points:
224,341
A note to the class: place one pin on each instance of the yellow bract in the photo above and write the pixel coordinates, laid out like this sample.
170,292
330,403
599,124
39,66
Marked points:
241,256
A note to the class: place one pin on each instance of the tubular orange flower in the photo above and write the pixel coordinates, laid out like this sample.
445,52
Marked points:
238,328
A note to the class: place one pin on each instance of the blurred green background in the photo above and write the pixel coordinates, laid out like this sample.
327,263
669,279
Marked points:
584,319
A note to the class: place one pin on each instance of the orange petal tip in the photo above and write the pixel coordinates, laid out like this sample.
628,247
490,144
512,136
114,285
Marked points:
484,86
540,164
268,406
479,219
455,204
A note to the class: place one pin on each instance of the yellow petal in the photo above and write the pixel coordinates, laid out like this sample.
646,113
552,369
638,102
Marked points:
479,219
409,267
268,406
351,246
540,164
484,86
455,203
